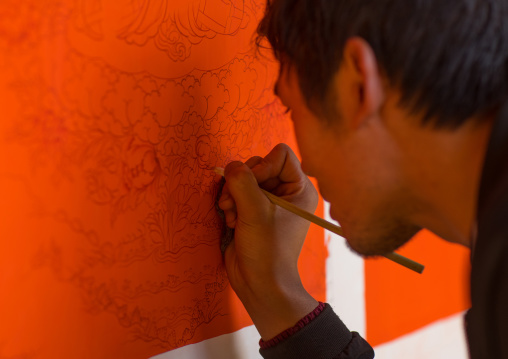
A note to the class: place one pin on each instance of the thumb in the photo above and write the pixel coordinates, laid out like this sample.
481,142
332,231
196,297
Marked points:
244,189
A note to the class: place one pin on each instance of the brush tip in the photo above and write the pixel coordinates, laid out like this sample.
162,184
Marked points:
218,170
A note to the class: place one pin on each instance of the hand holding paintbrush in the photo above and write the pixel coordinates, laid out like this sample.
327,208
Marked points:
262,261
397,258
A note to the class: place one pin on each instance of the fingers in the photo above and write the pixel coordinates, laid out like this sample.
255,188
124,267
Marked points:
285,177
241,193
280,166
269,184
244,188
226,202
253,161
279,172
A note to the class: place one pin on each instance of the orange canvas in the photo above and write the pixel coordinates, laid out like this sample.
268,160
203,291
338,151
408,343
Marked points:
112,114
399,301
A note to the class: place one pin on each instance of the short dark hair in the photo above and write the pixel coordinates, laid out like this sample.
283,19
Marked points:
449,58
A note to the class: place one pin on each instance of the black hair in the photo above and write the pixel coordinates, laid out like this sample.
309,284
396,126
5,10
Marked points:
447,57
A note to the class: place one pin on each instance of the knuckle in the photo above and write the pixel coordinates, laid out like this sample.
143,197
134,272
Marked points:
262,165
253,161
238,176
281,146
231,167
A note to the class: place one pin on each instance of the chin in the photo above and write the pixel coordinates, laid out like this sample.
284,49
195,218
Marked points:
377,243
332,213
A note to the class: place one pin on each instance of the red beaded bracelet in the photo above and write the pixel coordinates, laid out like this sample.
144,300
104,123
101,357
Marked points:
289,332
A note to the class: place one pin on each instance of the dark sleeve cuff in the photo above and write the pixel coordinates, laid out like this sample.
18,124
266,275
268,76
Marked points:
324,337
291,331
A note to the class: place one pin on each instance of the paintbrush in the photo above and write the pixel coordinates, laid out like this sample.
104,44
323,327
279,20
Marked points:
397,258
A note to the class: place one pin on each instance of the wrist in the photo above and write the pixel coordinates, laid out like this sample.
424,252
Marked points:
276,307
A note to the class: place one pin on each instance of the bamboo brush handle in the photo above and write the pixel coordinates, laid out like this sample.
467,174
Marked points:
397,258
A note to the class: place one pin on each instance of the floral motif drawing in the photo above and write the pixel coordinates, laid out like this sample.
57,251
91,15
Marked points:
106,168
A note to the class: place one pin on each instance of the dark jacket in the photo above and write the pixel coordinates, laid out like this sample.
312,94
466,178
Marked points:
326,337
487,320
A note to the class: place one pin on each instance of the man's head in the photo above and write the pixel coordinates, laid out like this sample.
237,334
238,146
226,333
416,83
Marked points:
425,48
369,82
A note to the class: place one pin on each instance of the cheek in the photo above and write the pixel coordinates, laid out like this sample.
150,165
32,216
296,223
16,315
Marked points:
307,155
297,129
308,146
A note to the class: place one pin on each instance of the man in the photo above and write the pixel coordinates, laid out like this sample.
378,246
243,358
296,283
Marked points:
400,113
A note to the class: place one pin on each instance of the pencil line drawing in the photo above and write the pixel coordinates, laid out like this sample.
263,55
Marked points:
119,160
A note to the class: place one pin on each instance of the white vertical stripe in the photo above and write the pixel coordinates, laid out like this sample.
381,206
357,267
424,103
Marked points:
242,344
443,339
345,281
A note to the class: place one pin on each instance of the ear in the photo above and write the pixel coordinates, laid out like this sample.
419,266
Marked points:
362,86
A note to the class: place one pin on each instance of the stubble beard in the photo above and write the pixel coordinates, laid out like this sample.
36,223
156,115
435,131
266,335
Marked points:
382,238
